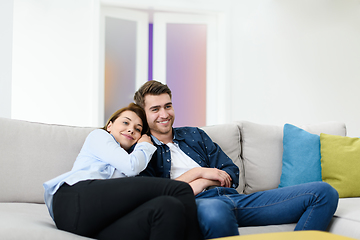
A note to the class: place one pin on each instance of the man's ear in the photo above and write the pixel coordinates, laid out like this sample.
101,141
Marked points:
109,126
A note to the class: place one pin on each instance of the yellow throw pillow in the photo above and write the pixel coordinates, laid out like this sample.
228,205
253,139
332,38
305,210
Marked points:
340,163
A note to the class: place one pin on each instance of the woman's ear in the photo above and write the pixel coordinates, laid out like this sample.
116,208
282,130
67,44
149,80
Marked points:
109,126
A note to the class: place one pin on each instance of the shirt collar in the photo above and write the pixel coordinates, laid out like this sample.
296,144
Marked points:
177,137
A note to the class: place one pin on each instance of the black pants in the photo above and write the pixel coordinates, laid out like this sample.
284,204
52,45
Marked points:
128,208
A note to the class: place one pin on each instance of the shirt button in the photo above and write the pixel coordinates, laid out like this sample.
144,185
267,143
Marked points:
168,160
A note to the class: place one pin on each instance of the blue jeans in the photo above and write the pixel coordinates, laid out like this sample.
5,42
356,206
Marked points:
222,210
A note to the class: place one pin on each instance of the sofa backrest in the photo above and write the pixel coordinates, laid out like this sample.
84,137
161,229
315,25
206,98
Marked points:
227,136
32,153
262,149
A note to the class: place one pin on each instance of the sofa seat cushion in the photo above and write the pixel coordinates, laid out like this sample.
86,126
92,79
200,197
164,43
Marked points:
346,220
267,229
30,221
349,208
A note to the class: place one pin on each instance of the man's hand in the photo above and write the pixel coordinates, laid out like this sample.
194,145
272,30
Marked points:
145,138
217,175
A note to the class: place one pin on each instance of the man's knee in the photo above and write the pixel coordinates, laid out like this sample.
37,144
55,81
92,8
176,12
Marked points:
329,193
325,189
216,218
212,209
325,195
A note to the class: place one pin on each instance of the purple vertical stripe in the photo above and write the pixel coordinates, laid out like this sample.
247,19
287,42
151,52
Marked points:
150,71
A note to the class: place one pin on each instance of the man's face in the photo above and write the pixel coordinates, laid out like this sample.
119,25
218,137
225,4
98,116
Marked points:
160,114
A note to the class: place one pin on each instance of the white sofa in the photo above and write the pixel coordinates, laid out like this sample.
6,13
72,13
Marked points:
32,153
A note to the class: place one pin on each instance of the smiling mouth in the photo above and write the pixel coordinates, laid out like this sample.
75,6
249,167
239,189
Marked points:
164,121
128,136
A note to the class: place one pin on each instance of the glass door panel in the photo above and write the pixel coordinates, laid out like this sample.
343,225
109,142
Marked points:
186,72
184,53
125,56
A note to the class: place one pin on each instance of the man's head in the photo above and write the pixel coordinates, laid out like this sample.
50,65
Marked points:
150,88
155,98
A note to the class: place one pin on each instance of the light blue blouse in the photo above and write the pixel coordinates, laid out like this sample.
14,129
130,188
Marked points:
101,157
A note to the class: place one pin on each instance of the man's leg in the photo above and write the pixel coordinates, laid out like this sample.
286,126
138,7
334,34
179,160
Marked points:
216,218
311,205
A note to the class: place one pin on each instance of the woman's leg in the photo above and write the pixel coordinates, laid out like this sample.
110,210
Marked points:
161,218
99,203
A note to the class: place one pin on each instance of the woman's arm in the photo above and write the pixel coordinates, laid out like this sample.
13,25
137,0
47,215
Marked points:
103,147
200,184
213,174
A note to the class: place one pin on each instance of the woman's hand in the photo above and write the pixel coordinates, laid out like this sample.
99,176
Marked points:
145,138
212,174
200,184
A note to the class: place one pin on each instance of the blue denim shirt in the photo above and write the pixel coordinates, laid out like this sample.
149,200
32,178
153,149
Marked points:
195,143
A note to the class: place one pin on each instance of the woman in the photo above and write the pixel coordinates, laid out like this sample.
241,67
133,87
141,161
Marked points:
101,198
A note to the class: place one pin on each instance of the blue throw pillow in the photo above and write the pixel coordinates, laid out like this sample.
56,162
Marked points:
301,157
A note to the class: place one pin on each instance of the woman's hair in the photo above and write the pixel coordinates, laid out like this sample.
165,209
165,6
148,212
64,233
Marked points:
152,88
134,108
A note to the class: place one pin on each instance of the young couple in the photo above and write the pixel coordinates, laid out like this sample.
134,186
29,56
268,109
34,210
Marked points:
101,198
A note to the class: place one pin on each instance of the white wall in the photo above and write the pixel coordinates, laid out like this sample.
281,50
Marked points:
6,28
55,61
293,61
296,61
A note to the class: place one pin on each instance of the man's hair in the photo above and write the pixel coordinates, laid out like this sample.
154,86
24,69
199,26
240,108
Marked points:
150,88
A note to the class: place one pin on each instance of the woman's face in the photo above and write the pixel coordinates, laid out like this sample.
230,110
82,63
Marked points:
126,129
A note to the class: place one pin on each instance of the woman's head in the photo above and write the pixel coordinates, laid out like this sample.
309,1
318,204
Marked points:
127,125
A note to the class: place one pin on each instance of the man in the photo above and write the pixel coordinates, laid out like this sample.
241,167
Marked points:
188,154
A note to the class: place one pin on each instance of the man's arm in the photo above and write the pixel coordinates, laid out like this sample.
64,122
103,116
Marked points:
200,178
216,158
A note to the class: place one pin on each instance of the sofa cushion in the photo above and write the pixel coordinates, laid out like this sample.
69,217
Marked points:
262,152
32,153
346,220
340,161
301,157
227,136
262,149
31,222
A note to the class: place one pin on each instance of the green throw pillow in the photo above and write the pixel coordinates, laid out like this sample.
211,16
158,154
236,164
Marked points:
340,164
